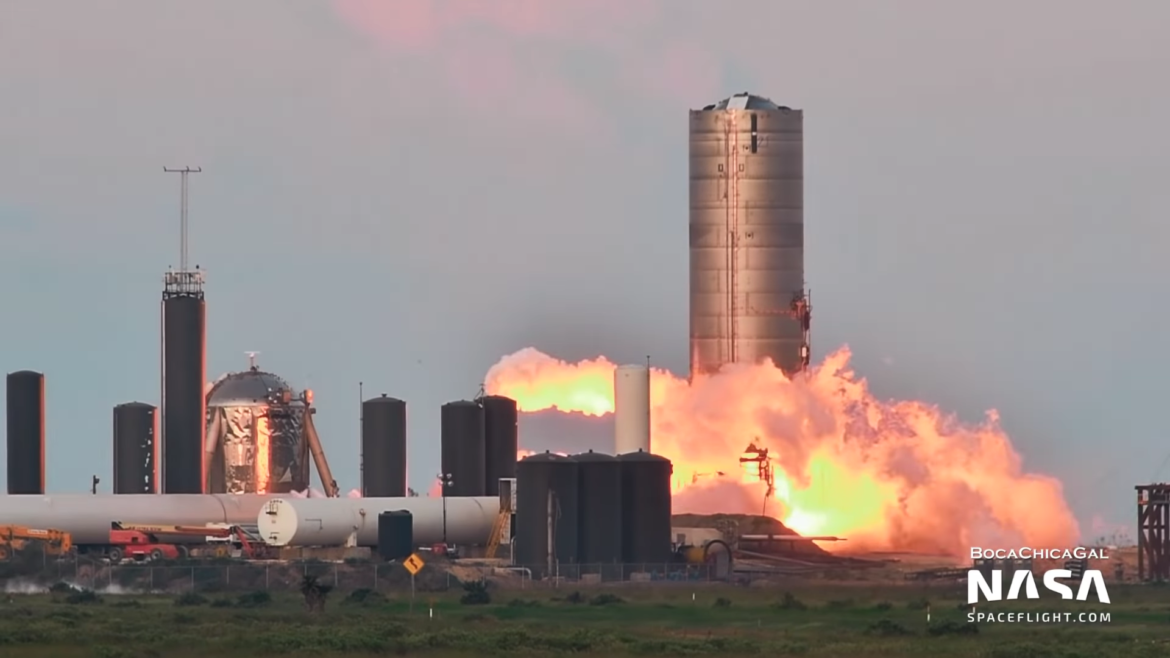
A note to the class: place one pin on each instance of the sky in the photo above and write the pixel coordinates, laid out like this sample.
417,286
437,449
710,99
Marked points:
399,193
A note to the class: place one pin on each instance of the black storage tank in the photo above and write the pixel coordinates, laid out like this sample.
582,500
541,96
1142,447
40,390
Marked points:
135,449
599,511
501,441
463,449
383,448
183,403
645,508
536,477
395,535
26,432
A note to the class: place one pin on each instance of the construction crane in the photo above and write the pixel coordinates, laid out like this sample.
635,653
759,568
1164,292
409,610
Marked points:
14,538
759,457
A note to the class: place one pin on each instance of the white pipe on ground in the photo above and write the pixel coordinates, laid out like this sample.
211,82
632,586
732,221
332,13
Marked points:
354,521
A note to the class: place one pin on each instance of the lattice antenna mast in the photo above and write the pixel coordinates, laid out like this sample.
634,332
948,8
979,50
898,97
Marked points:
183,210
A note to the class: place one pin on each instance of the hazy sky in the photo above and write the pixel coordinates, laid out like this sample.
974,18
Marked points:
400,192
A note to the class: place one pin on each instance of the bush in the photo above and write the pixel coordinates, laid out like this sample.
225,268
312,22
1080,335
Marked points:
790,602
190,599
721,603
523,603
83,597
221,603
950,627
257,599
575,598
364,597
887,628
883,606
475,593
918,604
605,599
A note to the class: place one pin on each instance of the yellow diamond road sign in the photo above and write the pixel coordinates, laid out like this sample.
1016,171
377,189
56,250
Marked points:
413,564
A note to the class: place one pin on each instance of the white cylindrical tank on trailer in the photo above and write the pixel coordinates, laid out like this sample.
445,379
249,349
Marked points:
342,521
631,409
89,518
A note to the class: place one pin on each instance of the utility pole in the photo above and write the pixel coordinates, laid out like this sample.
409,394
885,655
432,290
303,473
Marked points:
183,210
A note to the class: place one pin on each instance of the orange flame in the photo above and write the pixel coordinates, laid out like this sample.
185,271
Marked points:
895,475
263,441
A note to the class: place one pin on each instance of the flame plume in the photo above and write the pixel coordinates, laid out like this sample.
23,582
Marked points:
897,475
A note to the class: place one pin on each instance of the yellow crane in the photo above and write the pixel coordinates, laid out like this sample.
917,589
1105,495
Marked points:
14,538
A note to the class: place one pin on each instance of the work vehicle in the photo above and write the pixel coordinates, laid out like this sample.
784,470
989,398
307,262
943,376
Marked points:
15,538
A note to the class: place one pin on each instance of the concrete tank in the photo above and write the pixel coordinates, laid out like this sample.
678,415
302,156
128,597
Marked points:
89,517
354,521
747,298
631,404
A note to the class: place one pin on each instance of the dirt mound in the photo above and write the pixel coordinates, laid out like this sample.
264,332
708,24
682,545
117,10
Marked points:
751,524
745,524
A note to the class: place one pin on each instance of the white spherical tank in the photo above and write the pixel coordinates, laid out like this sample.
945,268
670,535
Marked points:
631,409
354,521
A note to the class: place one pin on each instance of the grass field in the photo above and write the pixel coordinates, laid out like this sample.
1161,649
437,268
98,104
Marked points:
814,619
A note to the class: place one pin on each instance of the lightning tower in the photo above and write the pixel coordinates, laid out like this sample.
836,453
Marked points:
183,347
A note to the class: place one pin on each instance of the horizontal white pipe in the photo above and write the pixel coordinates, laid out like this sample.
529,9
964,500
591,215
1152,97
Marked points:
88,518
341,521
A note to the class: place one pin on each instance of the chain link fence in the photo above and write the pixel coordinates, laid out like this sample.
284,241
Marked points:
436,576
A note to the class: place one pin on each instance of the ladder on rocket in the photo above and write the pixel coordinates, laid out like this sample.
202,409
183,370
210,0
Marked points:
497,535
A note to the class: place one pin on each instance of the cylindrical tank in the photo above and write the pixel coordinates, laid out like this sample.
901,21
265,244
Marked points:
395,535
645,508
501,440
26,432
183,411
462,438
631,409
255,435
537,477
599,511
338,521
88,517
383,448
747,234
135,449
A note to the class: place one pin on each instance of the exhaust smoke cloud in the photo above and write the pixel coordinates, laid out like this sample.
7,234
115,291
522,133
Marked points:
888,475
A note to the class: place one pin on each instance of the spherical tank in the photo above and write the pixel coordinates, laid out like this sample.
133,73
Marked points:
135,449
501,440
631,410
746,234
537,477
462,438
646,508
88,517
26,432
184,331
383,448
338,521
255,439
599,511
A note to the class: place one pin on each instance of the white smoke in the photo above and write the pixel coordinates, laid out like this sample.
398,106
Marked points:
28,586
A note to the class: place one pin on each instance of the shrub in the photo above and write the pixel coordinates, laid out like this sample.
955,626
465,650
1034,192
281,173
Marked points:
605,599
364,597
887,628
721,603
256,599
83,597
475,593
790,602
190,599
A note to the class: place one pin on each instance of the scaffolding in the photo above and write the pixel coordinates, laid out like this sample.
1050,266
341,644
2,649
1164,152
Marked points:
1153,503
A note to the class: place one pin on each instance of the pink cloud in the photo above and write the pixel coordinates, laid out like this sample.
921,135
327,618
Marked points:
517,52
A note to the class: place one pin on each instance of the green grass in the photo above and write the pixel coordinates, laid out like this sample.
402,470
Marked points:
814,619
